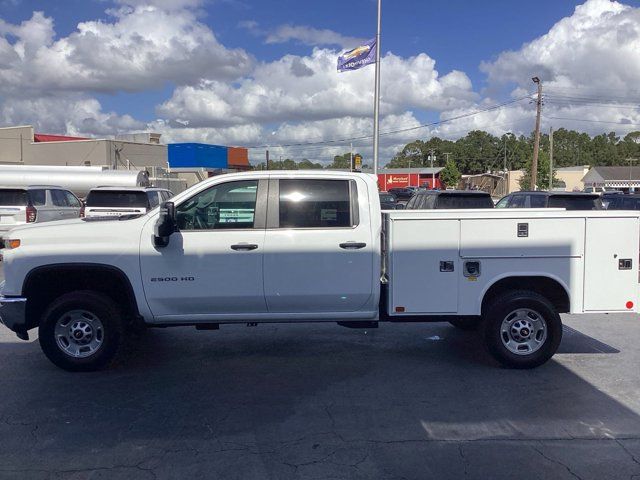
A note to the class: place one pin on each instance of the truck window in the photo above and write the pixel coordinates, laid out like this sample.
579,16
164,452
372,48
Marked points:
229,205
316,203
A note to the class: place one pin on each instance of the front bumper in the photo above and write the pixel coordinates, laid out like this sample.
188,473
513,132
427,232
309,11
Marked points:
13,314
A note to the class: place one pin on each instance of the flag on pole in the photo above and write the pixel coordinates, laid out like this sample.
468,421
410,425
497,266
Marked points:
358,57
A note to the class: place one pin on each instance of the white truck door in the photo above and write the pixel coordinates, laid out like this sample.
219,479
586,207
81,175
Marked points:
213,263
319,252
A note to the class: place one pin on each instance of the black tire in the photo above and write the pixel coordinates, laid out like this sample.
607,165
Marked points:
503,307
466,324
110,338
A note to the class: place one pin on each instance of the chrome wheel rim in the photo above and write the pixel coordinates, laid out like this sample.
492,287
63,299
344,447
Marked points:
79,333
523,331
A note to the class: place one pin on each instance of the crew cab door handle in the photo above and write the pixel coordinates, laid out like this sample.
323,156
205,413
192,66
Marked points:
353,245
244,247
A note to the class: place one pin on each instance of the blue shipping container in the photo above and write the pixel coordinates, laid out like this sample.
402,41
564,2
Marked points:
197,155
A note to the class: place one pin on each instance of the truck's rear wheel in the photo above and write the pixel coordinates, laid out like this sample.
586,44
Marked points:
522,329
81,331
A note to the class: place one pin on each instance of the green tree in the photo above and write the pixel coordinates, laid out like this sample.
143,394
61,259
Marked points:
543,173
450,175
342,162
306,164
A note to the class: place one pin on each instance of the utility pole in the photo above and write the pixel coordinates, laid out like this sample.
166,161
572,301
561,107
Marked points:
267,158
351,157
550,158
536,141
376,103
432,157
447,155
504,167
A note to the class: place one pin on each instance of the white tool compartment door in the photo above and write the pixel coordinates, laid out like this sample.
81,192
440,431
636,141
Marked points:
419,282
608,284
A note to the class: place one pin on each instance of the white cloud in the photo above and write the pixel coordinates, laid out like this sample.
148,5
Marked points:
143,47
597,49
296,88
71,114
302,34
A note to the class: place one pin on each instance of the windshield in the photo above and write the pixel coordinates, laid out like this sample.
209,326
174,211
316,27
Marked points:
117,198
13,198
571,202
464,201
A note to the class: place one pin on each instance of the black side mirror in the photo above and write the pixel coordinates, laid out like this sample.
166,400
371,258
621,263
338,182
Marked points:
399,206
165,225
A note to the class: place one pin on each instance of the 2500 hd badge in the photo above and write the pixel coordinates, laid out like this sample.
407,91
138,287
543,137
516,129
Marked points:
173,279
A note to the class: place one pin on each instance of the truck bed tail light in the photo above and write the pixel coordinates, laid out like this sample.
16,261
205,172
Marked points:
82,211
32,214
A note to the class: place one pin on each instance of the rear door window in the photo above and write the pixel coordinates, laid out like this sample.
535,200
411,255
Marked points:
316,203
117,199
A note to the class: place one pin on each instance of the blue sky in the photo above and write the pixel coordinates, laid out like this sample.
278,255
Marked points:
174,90
458,34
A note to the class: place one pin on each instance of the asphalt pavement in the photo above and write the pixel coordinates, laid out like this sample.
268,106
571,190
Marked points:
405,401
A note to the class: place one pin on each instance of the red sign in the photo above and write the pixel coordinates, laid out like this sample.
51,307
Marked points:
397,180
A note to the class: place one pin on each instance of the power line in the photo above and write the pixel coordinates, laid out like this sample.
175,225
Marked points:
593,121
402,130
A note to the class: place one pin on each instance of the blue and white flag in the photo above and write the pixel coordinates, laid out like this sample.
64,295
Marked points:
358,57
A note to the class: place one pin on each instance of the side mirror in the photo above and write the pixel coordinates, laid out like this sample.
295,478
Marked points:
165,225
399,206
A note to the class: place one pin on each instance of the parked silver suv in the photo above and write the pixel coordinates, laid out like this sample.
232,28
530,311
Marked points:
35,204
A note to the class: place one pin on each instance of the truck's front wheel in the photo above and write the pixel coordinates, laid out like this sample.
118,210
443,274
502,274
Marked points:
81,331
522,329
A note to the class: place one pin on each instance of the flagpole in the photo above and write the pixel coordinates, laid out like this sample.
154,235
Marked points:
376,104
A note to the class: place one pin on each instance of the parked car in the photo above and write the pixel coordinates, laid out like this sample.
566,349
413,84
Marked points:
36,204
620,201
388,201
566,200
402,193
117,201
453,199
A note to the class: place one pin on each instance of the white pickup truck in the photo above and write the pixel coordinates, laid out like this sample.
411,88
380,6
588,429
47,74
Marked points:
314,247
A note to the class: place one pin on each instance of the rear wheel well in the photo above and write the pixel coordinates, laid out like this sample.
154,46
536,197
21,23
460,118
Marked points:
547,287
44,284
